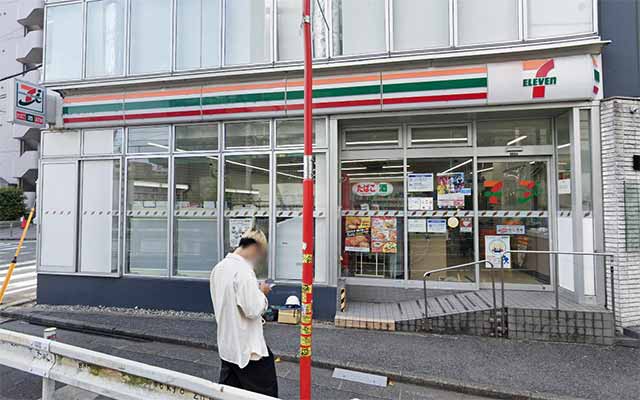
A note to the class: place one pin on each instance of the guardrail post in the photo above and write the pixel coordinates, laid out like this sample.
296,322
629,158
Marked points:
426,308
49,385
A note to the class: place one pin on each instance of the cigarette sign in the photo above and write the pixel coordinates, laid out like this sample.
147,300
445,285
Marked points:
29,104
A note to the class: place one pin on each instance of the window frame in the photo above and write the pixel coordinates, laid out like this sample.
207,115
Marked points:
124,44
172,43
174,64
46,33
398,145
468,143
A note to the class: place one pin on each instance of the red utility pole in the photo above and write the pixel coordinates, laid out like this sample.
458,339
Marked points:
306,323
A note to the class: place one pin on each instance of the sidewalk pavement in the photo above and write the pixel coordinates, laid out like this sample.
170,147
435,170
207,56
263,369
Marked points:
482,366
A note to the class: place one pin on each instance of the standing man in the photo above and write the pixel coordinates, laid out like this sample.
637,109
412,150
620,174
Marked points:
239,302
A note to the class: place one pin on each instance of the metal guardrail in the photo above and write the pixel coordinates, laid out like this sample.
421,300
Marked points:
12,226
106,375
502,289
493,291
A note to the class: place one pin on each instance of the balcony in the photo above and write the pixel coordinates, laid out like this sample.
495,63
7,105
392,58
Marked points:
31,14
21,132
29,49
25,163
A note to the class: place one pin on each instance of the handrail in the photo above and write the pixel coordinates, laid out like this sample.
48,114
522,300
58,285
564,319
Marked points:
556,274
106,375
493,289
556,279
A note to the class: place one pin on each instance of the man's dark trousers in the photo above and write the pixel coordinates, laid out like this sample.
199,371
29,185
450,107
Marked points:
258,376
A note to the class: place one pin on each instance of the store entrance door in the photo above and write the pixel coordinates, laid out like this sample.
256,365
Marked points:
513,213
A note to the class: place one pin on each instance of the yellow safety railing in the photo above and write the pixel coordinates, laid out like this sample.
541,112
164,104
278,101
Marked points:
12,266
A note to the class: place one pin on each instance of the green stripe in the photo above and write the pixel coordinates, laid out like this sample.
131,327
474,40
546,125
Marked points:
243,98
596,75
280,96
435,85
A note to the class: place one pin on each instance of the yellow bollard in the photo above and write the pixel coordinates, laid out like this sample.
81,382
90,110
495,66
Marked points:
12,266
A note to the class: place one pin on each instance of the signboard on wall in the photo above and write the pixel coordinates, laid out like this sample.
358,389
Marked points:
27,102
366,189
495,248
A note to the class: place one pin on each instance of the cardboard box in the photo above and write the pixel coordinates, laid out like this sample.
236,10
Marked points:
289,316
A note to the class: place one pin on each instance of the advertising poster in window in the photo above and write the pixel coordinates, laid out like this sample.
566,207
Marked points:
420,203
357,234
237,227
451,190
495,248
384,235
420,183
437,225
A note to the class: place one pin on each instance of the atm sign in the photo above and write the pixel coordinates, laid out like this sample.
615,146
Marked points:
372,189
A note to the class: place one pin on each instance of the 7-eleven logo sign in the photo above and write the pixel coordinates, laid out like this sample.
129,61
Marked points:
537,76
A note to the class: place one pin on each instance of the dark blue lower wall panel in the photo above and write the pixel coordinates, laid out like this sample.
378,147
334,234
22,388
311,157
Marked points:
159,293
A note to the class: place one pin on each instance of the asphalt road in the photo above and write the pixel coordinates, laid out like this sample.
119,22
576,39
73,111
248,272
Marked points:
16,385
23,282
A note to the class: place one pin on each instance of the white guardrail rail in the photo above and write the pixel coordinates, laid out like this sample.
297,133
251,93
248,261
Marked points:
106,375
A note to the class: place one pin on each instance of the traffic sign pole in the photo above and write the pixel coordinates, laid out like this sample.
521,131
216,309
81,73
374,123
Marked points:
306,323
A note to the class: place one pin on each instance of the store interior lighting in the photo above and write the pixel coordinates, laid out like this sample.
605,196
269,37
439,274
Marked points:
462,164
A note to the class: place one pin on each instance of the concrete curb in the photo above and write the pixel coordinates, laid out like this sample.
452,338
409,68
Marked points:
428,381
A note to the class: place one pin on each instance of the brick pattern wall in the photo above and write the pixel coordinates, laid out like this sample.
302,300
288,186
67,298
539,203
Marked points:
620,130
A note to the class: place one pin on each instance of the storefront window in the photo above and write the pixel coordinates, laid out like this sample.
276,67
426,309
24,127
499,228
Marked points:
372,218
103,141
289,176
246,199
372,137
147,196
487,22
290,132
514,133
247,31
100,216
196,216
196,138
152,139
64,42
150,36
198,34
246,134
570,17
585,159
359,27
436,239
514,215
105,38
440,135
563,130
420,24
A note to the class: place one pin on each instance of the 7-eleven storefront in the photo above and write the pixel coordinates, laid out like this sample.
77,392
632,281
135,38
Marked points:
416,169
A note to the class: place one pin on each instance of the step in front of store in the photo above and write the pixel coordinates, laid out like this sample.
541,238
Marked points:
526,316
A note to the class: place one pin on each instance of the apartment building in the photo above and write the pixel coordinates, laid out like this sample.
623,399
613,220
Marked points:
21,34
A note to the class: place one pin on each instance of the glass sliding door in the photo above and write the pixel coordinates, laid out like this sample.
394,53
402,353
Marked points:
513,199
372,218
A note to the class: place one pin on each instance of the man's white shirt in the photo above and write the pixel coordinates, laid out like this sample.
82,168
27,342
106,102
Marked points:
238,304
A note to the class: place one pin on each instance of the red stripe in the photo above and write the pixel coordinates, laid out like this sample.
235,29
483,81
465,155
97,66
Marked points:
92,119
543,71
164,114
443,97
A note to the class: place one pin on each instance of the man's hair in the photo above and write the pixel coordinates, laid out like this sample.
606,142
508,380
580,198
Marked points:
251,237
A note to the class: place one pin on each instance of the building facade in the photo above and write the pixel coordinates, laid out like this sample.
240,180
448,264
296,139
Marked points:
444,131
21,33
620,24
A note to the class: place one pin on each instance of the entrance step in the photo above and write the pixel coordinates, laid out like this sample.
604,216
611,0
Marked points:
526,315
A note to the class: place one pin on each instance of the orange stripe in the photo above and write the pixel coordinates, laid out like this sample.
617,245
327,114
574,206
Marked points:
342,79
83,99
249,86
532,64
425,74
162,93
594,60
